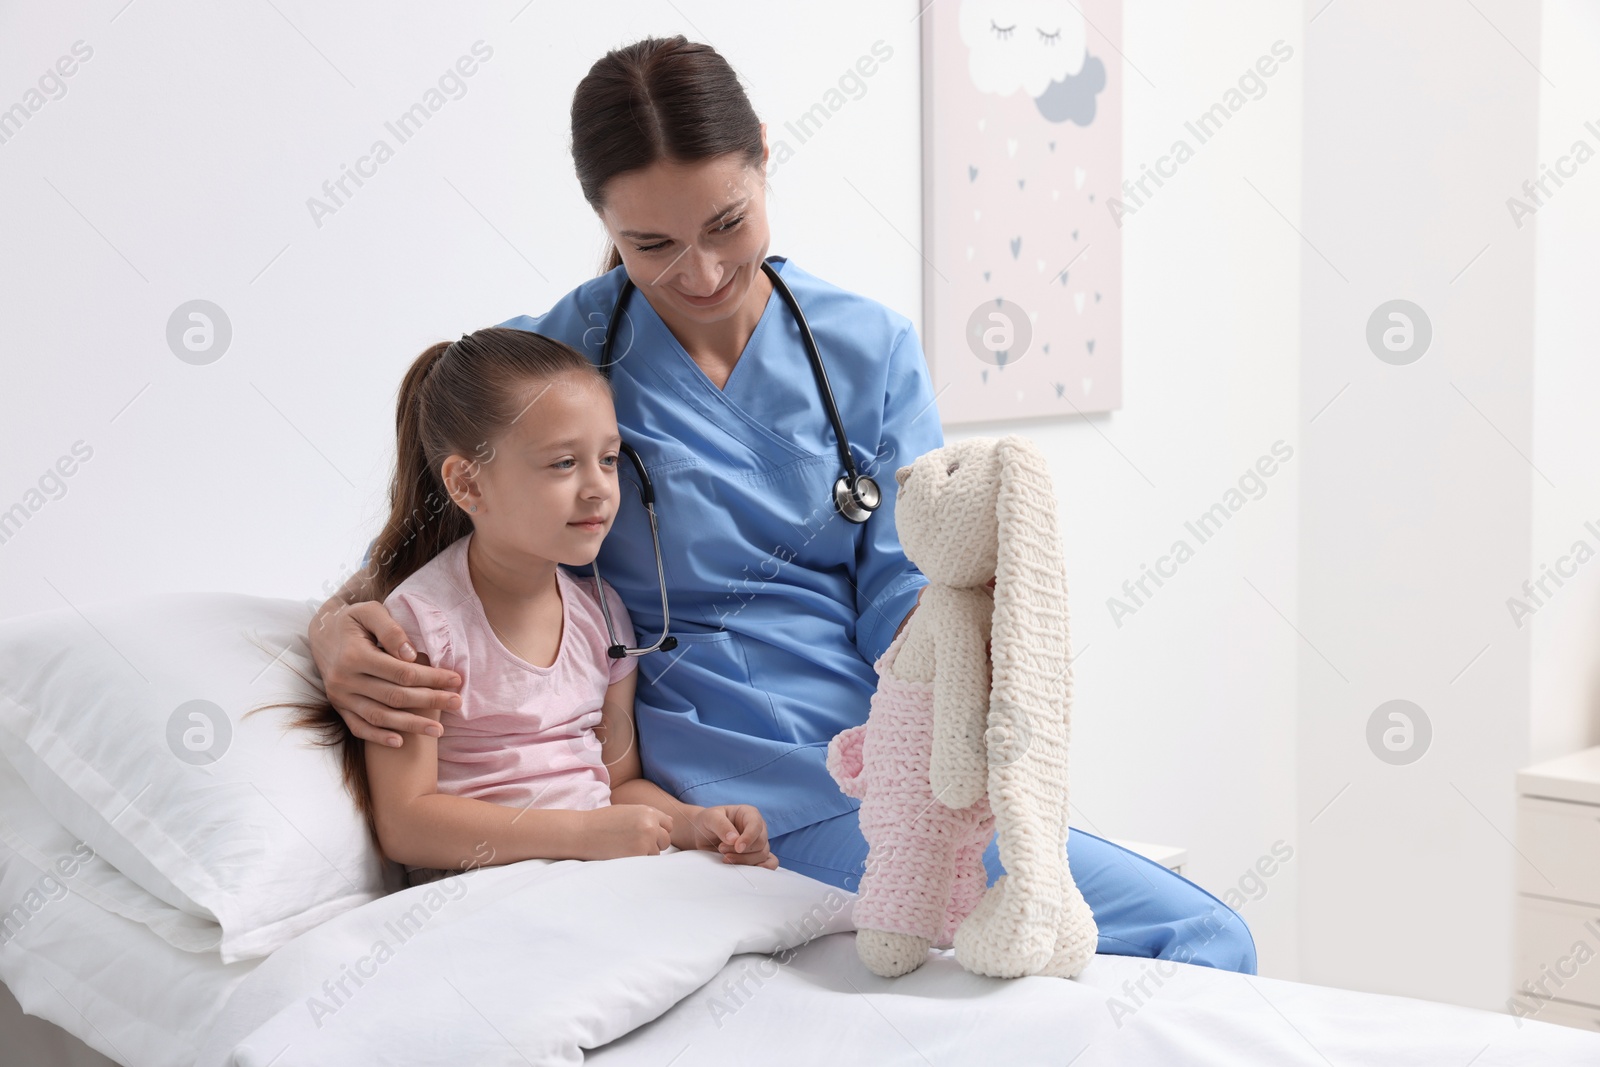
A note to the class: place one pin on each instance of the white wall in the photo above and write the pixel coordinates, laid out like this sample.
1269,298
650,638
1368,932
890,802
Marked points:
1415,517
1564,630
184,154
179,163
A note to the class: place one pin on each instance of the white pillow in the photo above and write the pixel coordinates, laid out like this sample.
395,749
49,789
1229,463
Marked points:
126,721
30,832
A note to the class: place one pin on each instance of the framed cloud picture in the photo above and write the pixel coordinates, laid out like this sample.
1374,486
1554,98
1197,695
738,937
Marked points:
1022,154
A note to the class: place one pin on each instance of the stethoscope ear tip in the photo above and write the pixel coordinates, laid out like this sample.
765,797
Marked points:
619,651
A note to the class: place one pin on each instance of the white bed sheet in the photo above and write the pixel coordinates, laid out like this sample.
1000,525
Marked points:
670,964
824,1007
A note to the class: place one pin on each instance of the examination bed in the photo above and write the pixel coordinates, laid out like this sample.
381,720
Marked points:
230,913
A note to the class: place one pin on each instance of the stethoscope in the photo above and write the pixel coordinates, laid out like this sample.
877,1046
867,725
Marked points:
855,495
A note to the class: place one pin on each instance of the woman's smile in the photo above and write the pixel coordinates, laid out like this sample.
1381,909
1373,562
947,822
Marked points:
714,299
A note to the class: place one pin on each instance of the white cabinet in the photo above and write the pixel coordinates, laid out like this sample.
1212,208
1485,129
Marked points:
1556,976
1171,857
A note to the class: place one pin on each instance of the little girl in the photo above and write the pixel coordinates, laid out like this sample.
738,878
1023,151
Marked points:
508,453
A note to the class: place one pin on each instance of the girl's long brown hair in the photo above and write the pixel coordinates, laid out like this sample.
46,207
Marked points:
662,98
456,399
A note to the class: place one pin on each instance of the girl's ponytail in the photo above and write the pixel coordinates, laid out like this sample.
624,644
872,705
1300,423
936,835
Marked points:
422,520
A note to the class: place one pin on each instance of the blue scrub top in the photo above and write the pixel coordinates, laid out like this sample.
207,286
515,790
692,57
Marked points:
780,605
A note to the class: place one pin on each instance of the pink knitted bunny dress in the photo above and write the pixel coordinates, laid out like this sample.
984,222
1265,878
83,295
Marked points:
924,871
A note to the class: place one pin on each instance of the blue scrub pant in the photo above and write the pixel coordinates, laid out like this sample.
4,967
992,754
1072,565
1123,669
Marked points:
1141,908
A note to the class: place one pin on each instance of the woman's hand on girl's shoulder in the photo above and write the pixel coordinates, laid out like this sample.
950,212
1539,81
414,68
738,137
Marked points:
738,832
371,674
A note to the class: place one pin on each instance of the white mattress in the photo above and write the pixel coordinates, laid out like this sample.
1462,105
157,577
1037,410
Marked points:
637,992
110,981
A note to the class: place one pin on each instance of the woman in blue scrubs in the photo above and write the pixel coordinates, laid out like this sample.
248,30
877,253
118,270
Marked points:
779,604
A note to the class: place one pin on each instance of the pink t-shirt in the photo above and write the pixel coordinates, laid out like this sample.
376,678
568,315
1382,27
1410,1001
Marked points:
524,736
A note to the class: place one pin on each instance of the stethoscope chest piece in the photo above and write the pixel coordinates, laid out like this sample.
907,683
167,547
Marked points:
856,502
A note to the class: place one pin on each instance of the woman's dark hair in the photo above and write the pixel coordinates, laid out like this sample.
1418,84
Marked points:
456,398
662,98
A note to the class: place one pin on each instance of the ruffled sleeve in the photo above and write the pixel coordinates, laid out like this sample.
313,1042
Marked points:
425,625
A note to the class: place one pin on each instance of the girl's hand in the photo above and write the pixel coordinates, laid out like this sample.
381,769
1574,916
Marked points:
738,832
623,830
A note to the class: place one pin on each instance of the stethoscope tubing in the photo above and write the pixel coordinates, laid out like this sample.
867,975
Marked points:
855,495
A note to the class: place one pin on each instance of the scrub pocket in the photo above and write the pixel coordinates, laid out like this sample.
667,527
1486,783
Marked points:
713,668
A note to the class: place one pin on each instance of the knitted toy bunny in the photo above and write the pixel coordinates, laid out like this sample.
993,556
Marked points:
944,756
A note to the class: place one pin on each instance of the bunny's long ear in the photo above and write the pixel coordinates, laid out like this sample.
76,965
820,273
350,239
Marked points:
1031,652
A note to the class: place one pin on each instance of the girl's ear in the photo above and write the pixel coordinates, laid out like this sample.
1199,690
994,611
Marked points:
460,477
